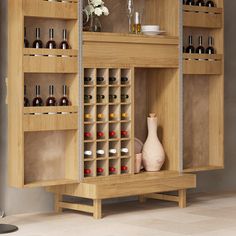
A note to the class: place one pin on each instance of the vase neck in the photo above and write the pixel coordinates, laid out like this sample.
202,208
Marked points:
152,126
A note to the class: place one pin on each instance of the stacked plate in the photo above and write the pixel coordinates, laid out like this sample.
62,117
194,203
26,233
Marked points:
152,30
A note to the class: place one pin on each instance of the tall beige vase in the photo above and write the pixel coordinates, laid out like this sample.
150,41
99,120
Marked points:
153,152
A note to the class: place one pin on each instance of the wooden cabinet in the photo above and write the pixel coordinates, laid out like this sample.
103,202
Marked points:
47,145
204,91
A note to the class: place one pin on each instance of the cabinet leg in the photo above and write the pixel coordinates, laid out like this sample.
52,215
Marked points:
142,199
182,198
57,199
97,205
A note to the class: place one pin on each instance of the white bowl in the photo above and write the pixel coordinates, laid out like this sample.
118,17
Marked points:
150,28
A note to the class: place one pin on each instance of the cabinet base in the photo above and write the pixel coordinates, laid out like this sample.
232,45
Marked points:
145,185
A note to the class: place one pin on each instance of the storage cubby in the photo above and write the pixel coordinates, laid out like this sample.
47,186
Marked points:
203,91
50,158
102,146
102,168
114,167
125,166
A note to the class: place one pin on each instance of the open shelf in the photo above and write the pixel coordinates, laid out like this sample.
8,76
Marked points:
50,157
203,17
58,10
202,64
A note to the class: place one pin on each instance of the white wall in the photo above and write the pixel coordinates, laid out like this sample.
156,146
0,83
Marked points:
17,201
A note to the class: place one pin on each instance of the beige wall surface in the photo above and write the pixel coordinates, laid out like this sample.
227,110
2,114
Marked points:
15,201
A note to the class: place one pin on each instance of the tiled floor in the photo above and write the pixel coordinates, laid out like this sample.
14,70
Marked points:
205,215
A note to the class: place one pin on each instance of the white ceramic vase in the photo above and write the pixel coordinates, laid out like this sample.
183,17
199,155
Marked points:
153,152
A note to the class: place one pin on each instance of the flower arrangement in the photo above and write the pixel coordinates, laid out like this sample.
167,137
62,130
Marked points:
97,8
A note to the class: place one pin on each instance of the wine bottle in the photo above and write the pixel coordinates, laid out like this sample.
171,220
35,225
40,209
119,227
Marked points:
87,171
100,98
37,101
200,3
64,44
124,168
100,171
100,80
210,4
87,98
64,101
112,170
51,101
100,153
112,116
88,154
88,80
26,42
124,134
26,100
124,80
112,134
112,98
100,116
190,48
37,43
112,80
51,44
200,49
87,116
124,116
87,135
124,151
112,152
100,135
124,97
210,49
190,2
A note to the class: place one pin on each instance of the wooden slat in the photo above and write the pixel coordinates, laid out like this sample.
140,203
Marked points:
194,9
50,122
163,197
46,52
203,20
76,207
202,56
47,183
57,109
43,64
202,168
198,67
57,10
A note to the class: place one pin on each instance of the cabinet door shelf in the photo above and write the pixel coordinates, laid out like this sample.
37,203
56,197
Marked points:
203,17
202,64
44,119
50,61
47,9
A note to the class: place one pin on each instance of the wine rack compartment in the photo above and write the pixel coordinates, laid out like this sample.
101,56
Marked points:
49,9
108,123
203,17
202,64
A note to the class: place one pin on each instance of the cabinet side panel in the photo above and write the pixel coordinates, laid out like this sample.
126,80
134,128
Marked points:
15,93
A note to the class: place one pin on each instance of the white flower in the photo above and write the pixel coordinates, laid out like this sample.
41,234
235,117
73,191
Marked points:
98,11
97,3
105,10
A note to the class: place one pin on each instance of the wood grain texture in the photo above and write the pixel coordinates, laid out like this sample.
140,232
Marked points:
128,186
58,10
15,91
101,51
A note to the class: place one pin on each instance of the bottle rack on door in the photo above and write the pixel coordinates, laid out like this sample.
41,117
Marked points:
204,90
108,122
43,140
